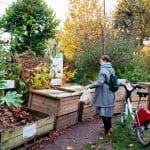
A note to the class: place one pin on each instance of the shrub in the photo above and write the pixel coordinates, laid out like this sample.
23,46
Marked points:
87,64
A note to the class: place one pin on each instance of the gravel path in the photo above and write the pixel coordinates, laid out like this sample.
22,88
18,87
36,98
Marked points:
77,137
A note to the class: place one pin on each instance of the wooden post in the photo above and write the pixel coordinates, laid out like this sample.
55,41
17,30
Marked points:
1,92
149,97
81,107
147,84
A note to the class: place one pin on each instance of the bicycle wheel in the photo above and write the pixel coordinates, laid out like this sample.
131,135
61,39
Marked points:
143,133
124,114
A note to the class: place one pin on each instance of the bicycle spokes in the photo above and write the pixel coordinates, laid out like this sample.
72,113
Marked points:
143,133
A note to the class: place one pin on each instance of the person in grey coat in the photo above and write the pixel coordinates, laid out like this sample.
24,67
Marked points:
104,99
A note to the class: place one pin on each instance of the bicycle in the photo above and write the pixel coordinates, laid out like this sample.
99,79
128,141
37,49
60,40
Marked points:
140,117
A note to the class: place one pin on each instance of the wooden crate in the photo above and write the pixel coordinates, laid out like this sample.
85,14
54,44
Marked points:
120,94
20,135
86,111
67,120
118,106
147,84
63,104
55,101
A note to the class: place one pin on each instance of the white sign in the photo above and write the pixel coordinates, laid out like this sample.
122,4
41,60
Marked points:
57,69
57,64
9,84
121,81
56,81
29,131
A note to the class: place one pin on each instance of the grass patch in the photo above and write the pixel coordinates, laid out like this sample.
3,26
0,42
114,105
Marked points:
123,138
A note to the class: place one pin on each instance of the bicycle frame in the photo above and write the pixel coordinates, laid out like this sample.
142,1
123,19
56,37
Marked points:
141,116
129,108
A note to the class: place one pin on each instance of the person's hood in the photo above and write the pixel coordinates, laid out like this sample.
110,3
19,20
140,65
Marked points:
106,65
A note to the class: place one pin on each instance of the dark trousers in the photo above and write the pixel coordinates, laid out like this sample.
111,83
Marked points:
107,123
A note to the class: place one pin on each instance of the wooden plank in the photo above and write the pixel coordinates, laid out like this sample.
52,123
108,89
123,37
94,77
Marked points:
18,131
18,140
44,100
66,120
88,113
118,106
67,106
30,100
120,94
45,110
46,92
69,103
142,104
135,97
45,106
76,97
66,111
147,84
13,138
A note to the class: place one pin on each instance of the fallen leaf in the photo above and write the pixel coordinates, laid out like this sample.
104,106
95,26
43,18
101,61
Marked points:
69,148
93,146
131,145
101,138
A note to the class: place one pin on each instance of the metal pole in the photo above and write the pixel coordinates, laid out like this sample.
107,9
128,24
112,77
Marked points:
103,29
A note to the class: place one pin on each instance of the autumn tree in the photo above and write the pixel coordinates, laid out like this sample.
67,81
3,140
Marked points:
82,28
31,23
132,18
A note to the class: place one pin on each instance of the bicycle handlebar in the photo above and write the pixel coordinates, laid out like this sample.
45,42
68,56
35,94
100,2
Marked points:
132,86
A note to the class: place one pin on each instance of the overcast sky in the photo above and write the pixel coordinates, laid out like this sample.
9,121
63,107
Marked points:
59,6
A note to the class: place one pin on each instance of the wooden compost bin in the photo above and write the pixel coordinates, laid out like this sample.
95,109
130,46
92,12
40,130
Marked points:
119,100
86,110
20,135
147,84
134,100
63,104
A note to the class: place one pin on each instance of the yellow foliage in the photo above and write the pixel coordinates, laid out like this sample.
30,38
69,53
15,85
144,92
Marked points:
40,78
145,54
83,26
146,50
68,73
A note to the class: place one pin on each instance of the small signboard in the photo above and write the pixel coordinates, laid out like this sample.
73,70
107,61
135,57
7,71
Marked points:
29,131
57,69
8,84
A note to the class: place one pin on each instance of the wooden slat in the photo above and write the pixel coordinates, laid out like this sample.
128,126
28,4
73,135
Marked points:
120,94
45,110
76,97
118,106
14,138
70,109
66,120
18,131
18,140
59,107
88,113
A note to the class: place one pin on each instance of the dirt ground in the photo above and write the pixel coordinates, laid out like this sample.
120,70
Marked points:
74,138
78,136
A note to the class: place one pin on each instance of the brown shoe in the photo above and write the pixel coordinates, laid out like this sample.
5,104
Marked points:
110,131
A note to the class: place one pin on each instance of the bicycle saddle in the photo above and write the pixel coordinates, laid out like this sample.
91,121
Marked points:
142,93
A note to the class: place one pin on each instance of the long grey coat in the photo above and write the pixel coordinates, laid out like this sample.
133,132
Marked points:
103,97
